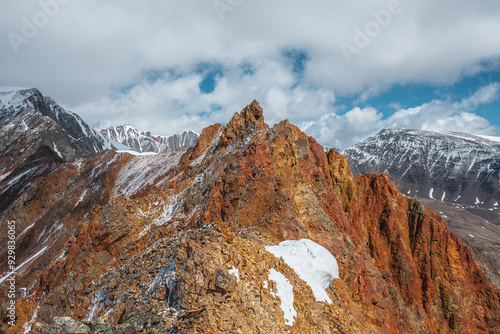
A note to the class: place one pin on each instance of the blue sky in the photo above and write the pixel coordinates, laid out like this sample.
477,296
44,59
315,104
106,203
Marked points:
412,95
341,71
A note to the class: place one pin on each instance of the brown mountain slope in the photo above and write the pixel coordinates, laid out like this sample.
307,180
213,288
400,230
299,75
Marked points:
156,245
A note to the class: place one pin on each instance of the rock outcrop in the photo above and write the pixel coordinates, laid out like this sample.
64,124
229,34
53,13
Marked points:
176,243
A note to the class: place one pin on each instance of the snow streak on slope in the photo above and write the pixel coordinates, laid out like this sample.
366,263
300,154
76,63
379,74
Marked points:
145,170
284,291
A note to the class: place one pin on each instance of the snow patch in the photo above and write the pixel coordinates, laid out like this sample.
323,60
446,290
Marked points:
57,151
79,121
313,263
142,171
25,230
492,138
18,177
136,153
284,291
95,307
27,326
430,193
82,196
234,271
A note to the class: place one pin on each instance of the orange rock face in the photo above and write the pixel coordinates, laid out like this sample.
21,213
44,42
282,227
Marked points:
160,234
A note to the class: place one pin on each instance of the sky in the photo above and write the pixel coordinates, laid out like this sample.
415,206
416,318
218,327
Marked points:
339,70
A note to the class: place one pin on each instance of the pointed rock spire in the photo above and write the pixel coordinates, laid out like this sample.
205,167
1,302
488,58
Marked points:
250,119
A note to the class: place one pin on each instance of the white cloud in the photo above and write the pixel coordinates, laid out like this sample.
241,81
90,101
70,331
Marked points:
176,102
88,49
438,115
485,94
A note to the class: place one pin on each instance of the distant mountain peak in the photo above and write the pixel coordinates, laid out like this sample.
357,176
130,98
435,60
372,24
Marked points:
456,167
144,141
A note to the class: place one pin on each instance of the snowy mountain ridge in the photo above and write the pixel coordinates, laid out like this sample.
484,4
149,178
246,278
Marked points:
146,142
450,166
25,106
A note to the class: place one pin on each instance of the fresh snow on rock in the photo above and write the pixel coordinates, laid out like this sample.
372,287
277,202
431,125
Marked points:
284,291
146,142
16,270
144,170
57,151
492,138
136,153
234,271
451,162
313,263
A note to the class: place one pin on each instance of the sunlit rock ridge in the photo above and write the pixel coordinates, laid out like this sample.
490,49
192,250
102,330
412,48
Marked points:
176,243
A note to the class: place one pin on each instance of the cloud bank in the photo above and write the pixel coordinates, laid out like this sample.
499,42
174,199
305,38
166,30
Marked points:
171,66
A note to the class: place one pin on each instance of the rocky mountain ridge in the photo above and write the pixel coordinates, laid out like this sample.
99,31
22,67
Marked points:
36,136
177,243
146,142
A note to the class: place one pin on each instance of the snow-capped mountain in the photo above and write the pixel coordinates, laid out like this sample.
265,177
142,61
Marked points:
147,142
28,111
36,135
455,167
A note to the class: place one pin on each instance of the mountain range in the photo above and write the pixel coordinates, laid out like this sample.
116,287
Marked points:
147,142
454,167
253,229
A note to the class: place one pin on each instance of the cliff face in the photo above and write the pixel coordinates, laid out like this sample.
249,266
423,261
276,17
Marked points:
176,242
455,174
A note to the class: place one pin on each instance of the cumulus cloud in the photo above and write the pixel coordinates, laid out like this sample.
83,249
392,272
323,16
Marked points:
438,115
175,100
143,63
